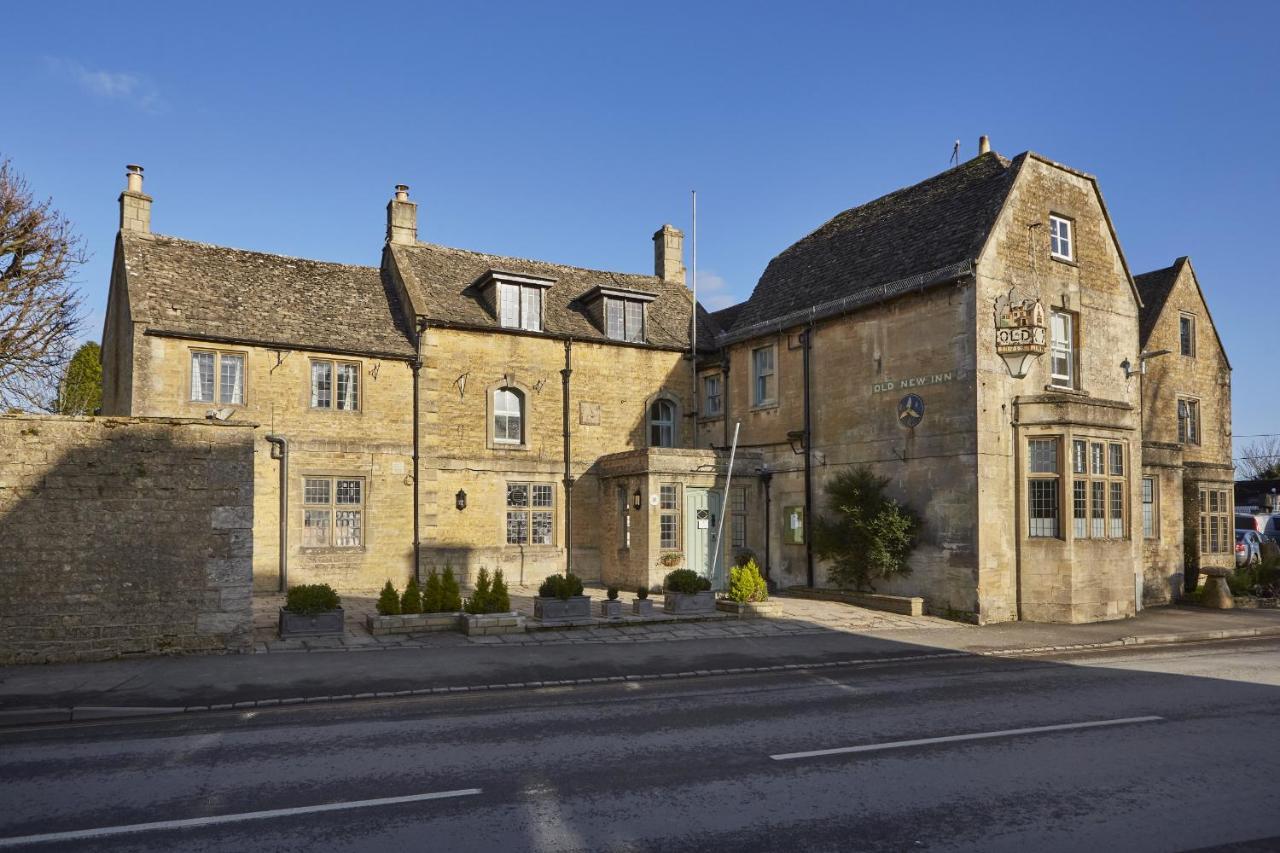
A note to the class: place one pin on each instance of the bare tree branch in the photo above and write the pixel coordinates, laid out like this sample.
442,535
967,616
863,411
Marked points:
1260,459
39,306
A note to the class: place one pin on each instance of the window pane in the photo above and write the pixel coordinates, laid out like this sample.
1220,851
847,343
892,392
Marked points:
1078,454
231,368
1043,507
202,377
347,532
739,532
711,395
1098,494
1186,335
1117,511
509,306
517,528
348,387
662,423
1097,462
667,530
321,384
1044,456
315,491
635,320
507,421
517,494
542,494
315,528
667,496
738,500
542,528
1148,507
613,318
1080,509
349,491
531,308
1117,459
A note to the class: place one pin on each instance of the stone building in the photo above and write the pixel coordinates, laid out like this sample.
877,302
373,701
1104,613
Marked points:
977,338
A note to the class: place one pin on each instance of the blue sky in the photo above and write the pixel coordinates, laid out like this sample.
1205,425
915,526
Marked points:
570,132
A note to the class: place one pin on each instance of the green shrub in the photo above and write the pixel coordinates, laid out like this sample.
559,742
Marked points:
612,593
642,592
866,535
562,587
310,599
746,584
686,581
411,601
389,601
450,594
479,600
432,602
499,599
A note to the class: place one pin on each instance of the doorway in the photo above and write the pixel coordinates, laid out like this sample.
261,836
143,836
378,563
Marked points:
701,520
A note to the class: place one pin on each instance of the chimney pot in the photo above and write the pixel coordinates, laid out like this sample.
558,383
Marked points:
135,206
402,192
133,176
984,145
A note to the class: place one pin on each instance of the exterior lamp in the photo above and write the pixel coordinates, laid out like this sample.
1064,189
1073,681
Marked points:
460,500
635,500
1018,362
796,439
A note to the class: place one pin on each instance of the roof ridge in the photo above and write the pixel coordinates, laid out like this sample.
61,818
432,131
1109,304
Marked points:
202,245
475,253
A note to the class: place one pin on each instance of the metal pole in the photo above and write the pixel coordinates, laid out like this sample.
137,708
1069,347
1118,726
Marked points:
724,501
693,330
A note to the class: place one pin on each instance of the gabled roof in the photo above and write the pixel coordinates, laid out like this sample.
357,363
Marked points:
441,282
923,232
188,289
1155,288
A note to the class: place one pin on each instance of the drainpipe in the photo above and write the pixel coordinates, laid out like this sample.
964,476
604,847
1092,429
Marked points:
1017,511
807,338
416,366
568,439
280,451
766,477
724,392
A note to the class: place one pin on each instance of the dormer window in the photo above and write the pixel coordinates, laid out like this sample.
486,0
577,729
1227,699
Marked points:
516,300
620,313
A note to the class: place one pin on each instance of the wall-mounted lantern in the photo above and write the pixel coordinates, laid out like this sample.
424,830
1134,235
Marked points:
460,500
796,439
636,500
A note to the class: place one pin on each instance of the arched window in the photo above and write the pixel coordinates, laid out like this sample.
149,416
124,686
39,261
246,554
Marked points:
508,416
662,424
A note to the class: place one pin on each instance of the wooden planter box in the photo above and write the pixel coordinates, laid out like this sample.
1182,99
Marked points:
688,603
326,624
642,607
611,609
413,623
749,609
562,609
484,624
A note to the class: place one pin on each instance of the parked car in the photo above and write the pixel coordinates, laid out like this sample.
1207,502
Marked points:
1268,524
1248,548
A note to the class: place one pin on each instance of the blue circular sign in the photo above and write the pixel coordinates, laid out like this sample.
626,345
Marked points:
910,411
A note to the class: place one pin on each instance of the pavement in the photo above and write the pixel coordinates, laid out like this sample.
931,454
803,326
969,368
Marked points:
1144,749
845,635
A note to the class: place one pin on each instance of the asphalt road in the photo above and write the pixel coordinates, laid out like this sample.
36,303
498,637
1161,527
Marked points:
1160,749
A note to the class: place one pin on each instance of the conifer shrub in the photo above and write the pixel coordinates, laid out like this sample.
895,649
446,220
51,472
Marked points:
479,600
411,601
866,535
499,599
310,599
450,594
746,583
432,594
388,601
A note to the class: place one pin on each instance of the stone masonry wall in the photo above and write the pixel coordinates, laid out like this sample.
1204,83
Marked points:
123,536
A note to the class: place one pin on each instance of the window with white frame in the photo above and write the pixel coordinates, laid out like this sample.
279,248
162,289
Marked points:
1188,421
325,375
217,376
530,516
712,401
332,512
738,517
1216,523
624,517
662,423
624,319
1061,242
1043,488
1187,334
1150,509
764,376
1062,367
668,515
508,416
1098,487
520,306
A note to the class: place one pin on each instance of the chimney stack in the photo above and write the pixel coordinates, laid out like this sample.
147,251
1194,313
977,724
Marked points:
402,217
668,254
984,145
135,205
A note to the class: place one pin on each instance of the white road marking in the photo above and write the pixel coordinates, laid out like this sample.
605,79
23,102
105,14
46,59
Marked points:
899,744
106,831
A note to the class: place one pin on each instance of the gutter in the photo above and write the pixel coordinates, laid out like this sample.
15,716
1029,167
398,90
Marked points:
280,451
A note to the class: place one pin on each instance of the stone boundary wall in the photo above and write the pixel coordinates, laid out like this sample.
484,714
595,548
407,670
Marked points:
124,536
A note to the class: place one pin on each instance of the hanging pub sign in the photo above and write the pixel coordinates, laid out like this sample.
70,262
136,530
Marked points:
1020,332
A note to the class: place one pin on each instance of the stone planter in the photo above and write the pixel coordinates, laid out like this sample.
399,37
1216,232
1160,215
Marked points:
326,624
749,609
611,609
642,607
562,609
485,624
413,623
689,603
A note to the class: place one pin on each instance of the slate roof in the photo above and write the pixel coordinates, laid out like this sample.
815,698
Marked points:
441,283
933,228
186,288
1154,287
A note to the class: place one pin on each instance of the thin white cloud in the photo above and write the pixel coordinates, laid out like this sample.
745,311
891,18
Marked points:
714,292
135,89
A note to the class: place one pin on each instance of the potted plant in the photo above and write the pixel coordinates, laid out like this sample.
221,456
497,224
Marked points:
560,599
435,606
611,608
311,610
642,606
488,609
687,592
748,593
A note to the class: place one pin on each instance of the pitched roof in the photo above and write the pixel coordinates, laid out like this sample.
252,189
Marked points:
441,283
1154,287
933,227
186,288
